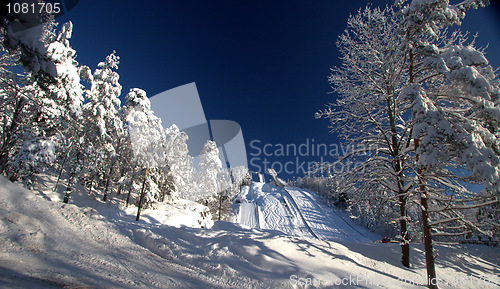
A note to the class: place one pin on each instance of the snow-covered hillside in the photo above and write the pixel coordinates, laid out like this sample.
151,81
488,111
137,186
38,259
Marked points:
89,244
297,212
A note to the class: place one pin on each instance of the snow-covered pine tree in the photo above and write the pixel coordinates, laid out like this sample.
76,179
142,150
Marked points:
371,120
225,195
209,167
217,186
49,101
180,164
125,161
12,100
147,140
454,97
23,59
241,176
105,127
13,108
64,104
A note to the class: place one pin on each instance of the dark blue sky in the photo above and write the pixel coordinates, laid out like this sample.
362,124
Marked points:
263,64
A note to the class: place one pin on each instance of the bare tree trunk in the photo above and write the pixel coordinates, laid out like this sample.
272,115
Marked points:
92,187
398,166
163,190
62,169
405,245
71,180
429,252
403,199
122,173
108,181
220,205
130,186
60,174
143,192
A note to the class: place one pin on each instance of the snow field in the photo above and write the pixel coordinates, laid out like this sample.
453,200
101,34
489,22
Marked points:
297,212
48,244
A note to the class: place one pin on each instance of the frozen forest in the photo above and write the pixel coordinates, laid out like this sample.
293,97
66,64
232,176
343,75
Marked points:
415,100
58,116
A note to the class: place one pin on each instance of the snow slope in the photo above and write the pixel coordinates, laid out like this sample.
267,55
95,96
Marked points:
297,212
48,244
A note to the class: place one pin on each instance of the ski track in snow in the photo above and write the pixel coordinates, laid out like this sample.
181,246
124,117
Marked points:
248,215
274,215
300,222
345,225
297,212
322,224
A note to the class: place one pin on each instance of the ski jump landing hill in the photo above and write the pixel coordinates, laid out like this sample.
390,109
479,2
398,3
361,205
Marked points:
297,212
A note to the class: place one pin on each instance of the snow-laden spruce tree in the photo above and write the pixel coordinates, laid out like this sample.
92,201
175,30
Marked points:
455,109
217,186
21,55
370,119
209,167
12,100
241,176
48,103
63,102
105,129
208,178
180,164
69,97
147,140
226,191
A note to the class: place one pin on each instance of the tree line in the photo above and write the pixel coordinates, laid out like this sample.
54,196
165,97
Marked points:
63,118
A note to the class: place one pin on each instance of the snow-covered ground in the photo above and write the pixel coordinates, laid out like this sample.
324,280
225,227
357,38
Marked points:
297,212
89,244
